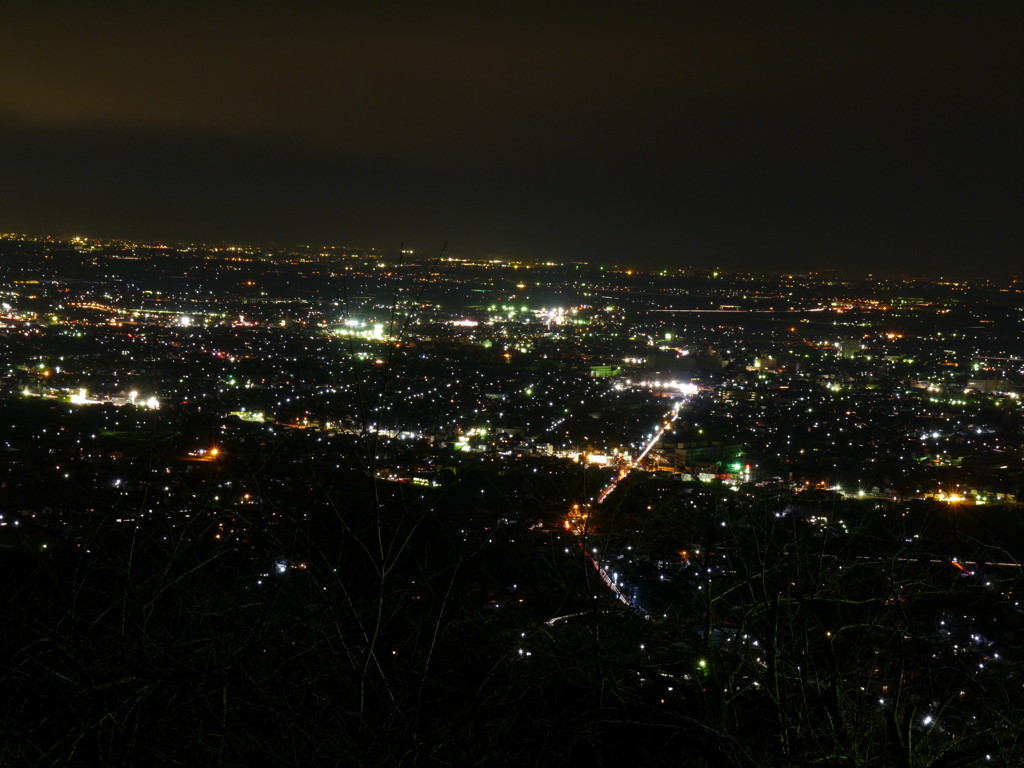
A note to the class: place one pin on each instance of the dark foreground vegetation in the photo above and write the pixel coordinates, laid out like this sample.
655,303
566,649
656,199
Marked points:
398,628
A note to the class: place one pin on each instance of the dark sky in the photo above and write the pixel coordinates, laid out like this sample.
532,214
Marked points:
778,136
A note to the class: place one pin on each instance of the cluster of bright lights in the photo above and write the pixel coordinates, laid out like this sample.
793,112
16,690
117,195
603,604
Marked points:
360,329
686,388
255,416
150,402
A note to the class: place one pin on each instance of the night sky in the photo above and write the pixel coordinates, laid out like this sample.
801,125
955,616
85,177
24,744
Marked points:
874,137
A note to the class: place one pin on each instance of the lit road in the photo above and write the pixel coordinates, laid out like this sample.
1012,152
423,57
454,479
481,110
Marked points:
666,422
575,521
